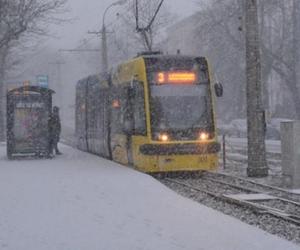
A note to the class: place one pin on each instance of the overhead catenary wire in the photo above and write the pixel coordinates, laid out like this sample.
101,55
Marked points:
147,29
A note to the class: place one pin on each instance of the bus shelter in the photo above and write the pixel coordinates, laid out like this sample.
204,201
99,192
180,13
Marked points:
28,112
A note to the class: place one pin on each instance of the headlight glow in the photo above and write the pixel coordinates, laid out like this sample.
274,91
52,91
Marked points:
203,136
163,137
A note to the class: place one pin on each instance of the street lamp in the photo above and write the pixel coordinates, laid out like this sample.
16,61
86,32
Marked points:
104,42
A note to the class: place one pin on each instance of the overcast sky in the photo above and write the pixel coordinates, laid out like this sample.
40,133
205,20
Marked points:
87,16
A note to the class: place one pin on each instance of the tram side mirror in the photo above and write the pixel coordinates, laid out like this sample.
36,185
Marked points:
218,89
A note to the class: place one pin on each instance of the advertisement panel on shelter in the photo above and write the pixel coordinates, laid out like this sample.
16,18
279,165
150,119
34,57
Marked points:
30,126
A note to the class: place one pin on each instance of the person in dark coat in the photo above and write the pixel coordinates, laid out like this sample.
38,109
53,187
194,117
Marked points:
54,130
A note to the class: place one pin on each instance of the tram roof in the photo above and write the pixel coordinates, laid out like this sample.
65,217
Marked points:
163,56
37,89
92,79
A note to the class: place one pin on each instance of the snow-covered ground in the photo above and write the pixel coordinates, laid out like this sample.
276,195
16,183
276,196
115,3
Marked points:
272,146
79,201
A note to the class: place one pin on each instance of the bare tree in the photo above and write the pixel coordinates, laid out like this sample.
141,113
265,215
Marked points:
18,19
218,30
283,52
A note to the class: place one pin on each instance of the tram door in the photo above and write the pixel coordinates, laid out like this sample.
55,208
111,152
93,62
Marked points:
119,141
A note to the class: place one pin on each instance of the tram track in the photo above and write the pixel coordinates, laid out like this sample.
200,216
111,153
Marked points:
274,214
250,185
259,203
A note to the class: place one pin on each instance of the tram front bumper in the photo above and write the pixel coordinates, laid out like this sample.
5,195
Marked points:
180,157
180,149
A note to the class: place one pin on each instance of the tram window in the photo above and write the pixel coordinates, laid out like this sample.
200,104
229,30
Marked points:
139,110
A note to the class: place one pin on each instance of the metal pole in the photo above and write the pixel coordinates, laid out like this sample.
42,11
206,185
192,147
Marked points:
224,150
104,50
257,164
3,56
103,33
2,105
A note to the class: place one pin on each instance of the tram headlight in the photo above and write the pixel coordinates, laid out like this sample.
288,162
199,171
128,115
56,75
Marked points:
163,137
203,136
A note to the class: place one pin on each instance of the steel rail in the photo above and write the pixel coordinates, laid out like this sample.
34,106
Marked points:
254,183
257,208
251,190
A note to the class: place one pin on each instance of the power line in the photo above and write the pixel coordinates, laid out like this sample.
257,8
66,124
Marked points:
85,42
146,30
79,50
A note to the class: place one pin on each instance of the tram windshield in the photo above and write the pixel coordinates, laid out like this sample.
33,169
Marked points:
180,107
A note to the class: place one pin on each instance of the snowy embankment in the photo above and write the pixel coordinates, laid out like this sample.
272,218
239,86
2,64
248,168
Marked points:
79,201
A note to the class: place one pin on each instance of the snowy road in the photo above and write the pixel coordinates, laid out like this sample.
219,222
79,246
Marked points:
80,201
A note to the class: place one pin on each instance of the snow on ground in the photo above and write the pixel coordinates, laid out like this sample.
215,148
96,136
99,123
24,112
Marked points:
272,146
79,201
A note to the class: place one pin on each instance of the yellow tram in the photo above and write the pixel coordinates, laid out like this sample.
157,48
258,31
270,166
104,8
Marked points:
154,113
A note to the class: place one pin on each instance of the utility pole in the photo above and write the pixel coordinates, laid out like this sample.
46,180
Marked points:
103,32
104,53
3,55
257,164
2,101
104,49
